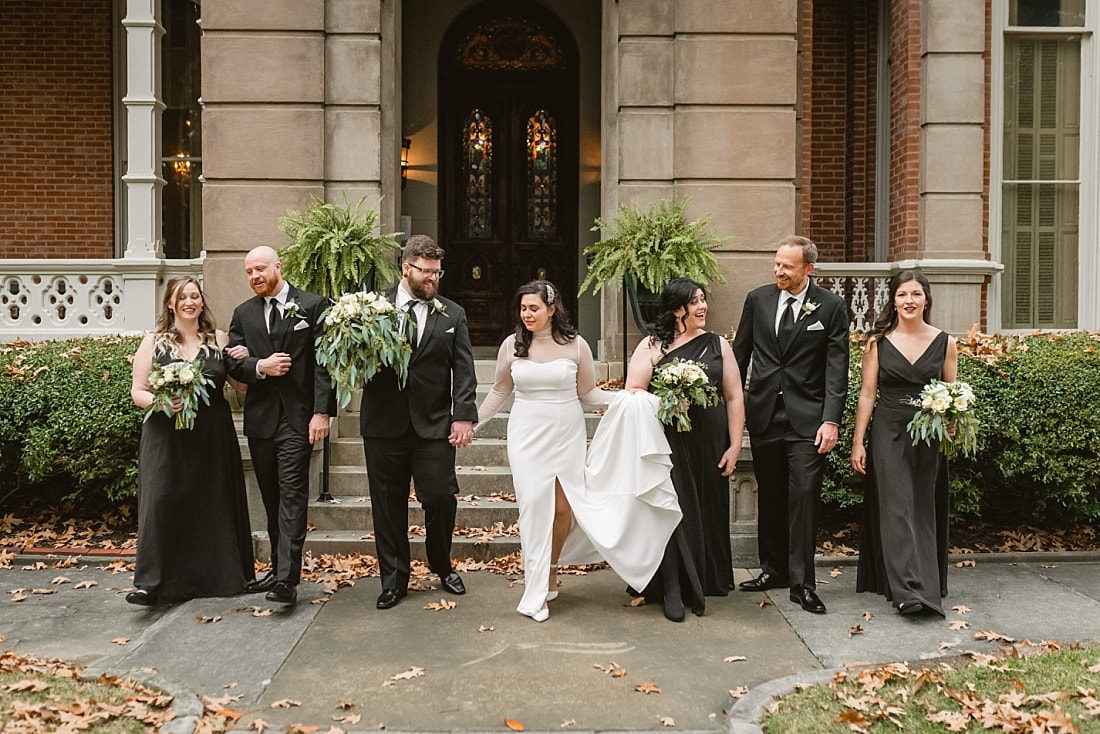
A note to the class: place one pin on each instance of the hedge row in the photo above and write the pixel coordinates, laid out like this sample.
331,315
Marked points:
1039,447
69,430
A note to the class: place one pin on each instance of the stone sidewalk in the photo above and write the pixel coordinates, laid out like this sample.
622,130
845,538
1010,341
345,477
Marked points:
469,668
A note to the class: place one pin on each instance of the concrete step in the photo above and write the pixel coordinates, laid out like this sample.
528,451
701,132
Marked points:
482,452
495,427
352,480
354,513
334,542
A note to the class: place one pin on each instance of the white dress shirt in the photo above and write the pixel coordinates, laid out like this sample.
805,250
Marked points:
799,299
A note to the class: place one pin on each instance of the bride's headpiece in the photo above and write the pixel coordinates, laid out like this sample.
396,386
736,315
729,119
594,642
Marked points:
549,295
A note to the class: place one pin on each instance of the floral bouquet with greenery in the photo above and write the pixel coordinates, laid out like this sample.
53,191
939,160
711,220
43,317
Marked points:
183,380
363,332
680,384
945,416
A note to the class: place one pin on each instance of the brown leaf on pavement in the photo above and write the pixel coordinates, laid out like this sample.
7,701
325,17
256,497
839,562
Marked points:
258,724
513,725
835,573
86,584
648,687
856,630
345,705
120,640
611,669
637,601
734,659
257,612
763,604
413,672
483,628
948,645
348,718
285,703
59,580
964,564
301,729
442,605
992,636
668,721
567,723
961,609
958,624
208,620
739,691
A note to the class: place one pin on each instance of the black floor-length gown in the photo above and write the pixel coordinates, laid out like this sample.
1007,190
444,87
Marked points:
903,537
698,557
193,530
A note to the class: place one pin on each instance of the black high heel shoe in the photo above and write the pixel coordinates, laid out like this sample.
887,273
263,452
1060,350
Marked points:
142,598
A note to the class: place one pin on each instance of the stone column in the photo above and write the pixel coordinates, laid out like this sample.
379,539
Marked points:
362,48
263,93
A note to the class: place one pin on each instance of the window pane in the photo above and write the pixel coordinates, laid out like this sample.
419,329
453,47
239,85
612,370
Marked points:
181,130
1042,108
542,177
1051,13
477,173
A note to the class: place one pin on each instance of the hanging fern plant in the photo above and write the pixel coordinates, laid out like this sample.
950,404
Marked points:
653,248
333,249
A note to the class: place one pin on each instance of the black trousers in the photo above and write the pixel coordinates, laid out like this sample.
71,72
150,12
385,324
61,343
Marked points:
429,464
788,476
281,464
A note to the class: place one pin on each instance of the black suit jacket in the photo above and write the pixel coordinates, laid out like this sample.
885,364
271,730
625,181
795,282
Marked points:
441,388
304,390
812,373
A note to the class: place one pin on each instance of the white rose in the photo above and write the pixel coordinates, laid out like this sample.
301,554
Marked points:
940,403
926,402
961,404
187,375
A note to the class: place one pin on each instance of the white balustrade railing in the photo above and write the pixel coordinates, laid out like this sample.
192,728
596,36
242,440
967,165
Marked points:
863,286
58,299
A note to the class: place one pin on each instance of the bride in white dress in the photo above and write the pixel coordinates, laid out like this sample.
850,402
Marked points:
626,510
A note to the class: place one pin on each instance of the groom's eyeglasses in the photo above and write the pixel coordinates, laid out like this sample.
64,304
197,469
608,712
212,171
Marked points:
426,272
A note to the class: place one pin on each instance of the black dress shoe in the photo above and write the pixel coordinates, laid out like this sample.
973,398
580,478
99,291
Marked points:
763,582
452,583
389,598
282,593
142,598
267,583
808,599
909,608
674,609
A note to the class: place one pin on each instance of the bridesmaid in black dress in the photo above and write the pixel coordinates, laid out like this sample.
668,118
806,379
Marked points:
903,538
697,559
193,529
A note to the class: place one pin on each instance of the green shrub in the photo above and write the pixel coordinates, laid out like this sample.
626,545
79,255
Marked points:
68,428
1039,402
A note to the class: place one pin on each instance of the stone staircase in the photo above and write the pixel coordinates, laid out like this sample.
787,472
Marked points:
346,526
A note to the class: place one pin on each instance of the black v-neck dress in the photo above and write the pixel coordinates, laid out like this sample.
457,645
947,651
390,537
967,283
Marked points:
903,536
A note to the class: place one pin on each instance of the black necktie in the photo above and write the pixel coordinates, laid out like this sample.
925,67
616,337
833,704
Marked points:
786,323
411,323
273,315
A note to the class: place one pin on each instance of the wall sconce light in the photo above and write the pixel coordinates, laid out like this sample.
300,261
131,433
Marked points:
181,164
405,145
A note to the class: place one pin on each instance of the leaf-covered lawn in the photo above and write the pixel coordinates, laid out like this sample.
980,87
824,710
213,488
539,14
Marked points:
1038,689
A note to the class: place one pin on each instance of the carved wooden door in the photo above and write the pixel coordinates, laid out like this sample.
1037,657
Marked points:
509,159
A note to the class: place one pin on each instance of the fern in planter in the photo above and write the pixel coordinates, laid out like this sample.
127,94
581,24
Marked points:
333,248
653,248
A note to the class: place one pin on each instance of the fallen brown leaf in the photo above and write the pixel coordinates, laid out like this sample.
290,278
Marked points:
86,584
964,564
513,725
734,659
567,723
483,628
258,724
120,640
412,672
59,580
208,620
835,573
739,691
345,705
958,624
348,718
961,609
285,703
856,630
442,605
301,729
763,604
668,721
647,687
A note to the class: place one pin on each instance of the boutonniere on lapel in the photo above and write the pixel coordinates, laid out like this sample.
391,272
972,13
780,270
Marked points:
807,308
291,310
438,307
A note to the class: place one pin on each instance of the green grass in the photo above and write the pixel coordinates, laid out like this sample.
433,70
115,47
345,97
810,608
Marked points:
1044,690
65,701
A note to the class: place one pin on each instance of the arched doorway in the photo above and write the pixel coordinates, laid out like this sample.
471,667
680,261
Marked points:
508,99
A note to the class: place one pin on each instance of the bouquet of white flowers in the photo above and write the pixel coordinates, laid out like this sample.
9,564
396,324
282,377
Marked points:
183,380
945,406
680,384
363,332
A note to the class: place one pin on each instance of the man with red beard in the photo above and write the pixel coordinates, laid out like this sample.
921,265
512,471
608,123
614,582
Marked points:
410,434
286,410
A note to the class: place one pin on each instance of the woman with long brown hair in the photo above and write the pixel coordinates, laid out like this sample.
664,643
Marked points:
193,530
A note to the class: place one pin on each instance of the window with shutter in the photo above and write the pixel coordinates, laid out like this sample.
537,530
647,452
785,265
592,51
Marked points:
1041,177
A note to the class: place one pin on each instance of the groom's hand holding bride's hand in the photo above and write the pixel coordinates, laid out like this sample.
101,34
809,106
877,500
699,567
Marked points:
462,433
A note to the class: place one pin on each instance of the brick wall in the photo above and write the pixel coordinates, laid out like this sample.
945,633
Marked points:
56,190
838,123
905,33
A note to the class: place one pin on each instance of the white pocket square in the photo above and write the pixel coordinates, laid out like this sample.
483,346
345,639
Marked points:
301,325
815,326
450,330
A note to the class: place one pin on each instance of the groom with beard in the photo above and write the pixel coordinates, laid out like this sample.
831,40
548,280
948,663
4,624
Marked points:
410,434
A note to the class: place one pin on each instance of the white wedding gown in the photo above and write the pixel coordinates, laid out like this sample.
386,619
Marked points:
625,510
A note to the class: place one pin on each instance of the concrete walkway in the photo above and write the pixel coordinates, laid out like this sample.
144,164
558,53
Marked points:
469,668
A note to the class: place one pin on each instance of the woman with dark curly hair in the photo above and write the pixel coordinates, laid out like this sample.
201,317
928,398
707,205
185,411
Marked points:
566,513
193,532
697,560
